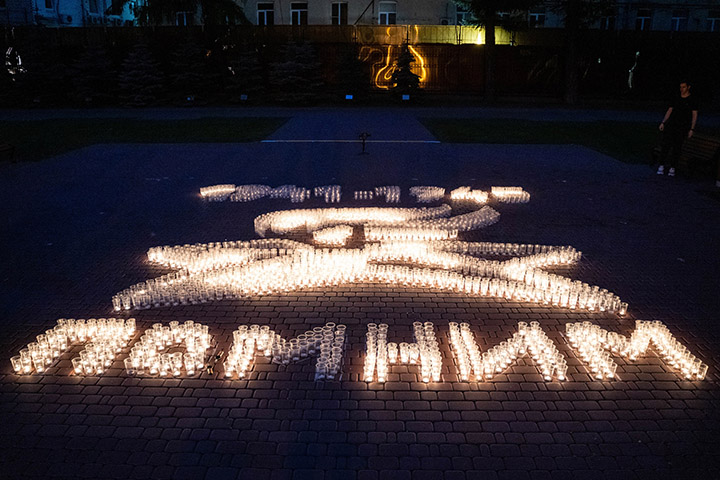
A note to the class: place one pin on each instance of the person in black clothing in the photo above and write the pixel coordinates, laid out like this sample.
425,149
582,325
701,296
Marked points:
677,125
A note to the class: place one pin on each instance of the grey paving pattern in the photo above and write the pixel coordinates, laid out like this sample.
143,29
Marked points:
75,229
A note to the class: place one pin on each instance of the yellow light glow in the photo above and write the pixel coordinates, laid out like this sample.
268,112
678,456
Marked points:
423,72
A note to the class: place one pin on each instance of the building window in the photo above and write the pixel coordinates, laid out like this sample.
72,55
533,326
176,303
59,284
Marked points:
48,4
607,21
265,14
679,21
643,21
713,21
387,13
93,7
183,19
339,13
462,15
298,13
536,17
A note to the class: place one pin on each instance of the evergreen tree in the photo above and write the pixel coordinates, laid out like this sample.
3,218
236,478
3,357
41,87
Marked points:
403,79
244,76
297,79
94,77
190,76
140,80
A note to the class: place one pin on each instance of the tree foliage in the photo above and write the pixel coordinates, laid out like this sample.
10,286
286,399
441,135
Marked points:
296,79
140,79
94,77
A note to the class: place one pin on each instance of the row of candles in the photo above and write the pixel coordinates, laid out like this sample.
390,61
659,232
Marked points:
464,223
595,346
330,193
510,194
529,339
326,343
333,193
209,256
470,195
400,234
333,236
517,278
284,221
106,337
380,354
427,194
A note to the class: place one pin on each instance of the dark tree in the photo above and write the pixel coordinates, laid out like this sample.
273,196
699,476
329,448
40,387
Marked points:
297,79
351,76
140,79
403,79
578,15
190,77
94,77
485,13
244,76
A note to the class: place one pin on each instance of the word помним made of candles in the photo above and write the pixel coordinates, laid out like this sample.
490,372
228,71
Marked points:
153,355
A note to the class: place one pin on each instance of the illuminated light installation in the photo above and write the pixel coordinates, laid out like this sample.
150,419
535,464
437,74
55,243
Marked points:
151,356
285,221
427,194
333,236
467,194
529,339
104,337
379,354
595,346
423,74
326,343
249,193
390,192
510,194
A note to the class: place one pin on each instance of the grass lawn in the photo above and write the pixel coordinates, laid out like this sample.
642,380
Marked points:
629,142
38,139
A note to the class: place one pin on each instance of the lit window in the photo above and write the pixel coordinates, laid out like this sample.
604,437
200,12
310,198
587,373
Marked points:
183,19
536,17
299,13
387,13
339,13
713,21
462,15
679,21
643,21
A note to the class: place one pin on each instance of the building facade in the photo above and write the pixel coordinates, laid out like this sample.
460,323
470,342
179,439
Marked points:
659,15
624,15
63,13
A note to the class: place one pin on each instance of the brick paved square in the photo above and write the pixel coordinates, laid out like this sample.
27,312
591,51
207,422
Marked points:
77,228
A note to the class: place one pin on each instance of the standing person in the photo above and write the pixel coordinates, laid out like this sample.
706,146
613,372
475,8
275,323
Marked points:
677,125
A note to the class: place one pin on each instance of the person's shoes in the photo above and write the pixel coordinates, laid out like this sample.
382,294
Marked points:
661,170
671,172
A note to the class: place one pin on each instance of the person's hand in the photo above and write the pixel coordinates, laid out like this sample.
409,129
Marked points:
690,133
662,127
